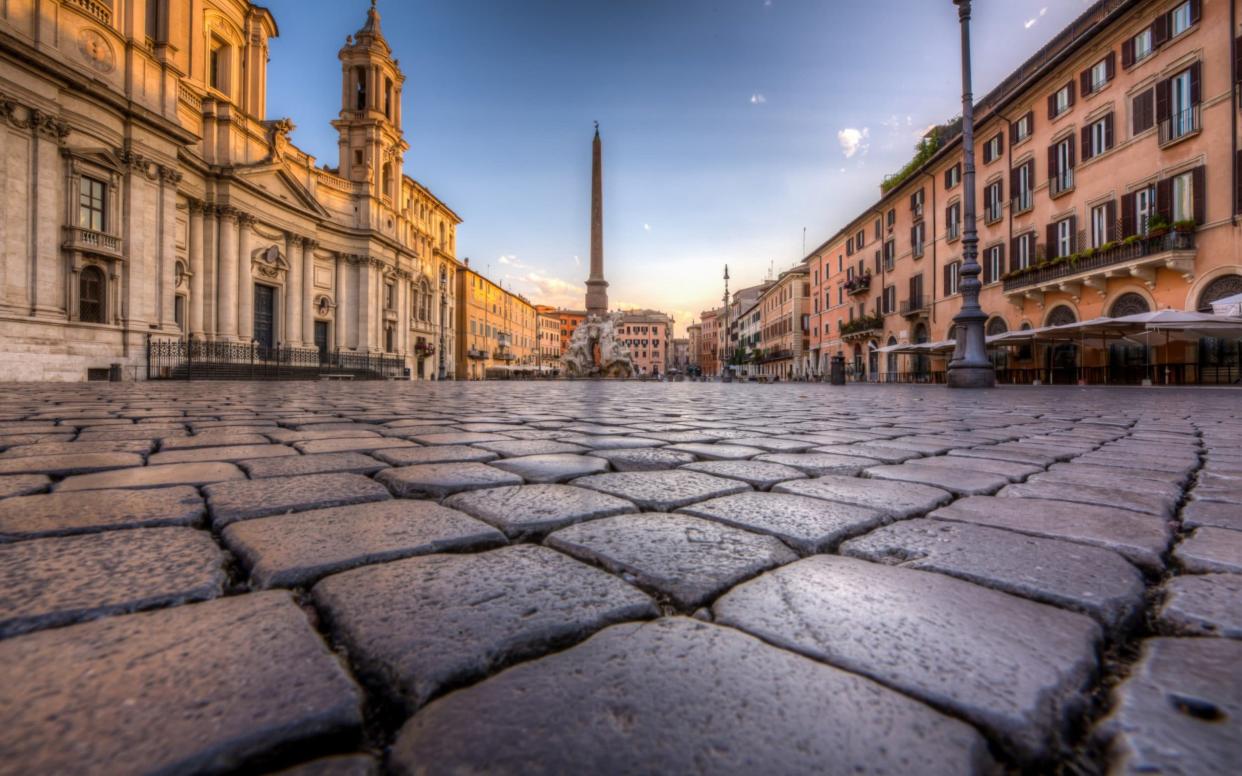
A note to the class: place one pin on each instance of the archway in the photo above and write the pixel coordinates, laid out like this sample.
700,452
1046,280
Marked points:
1000,354
1127,361
860,368
922,363
873,360
890,365
1220,360
1062,359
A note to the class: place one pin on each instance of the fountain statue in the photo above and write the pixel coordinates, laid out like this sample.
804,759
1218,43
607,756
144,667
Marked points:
595,351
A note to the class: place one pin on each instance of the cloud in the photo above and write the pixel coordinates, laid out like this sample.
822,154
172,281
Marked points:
577,261
544,289
757,99
854,141
1035,20
646,227
509,260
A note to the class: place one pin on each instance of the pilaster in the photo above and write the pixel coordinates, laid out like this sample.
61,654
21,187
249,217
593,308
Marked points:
245,280
195,249
227,316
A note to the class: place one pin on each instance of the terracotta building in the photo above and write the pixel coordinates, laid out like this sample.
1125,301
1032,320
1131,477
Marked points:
1107,174
709,342
647,334
152,201
784,320
548,332
570,320
496,329
694,346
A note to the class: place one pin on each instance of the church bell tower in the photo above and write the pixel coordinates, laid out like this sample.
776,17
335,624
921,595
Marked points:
372,146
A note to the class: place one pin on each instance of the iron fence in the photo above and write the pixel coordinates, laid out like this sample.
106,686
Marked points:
191,359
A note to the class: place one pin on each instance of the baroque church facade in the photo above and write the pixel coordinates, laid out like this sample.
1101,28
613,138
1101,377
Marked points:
148,198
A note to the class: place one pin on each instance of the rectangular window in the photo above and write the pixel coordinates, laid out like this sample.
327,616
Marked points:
1098,137
917,239
1142,44
1023,251
1024,187
890,255
1022,128
953,276
953,221
953,176
390,297
993,207
1182,106
1063,166
995,263
1065,237
992,150
1144,206
1099,225
1143,111
91,206
1099,75
892,217
860,238
890,300
1062,100
1180,19
1183,197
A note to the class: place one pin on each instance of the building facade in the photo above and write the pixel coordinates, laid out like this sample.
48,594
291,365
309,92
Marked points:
694,344
748,339
152,198
548,334
497,329
784,325
1107,183
680,360
647,334
570,321
709,342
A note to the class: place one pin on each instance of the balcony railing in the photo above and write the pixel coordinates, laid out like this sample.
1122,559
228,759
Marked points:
1181,124
479,355
102,12
1067,266
775,355
90,241
1023,202
861,326
954,231
859,284
914,306
1062,182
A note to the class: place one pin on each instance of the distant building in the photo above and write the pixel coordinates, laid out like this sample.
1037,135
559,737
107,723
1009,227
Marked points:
548,336
709,342
570,320
783,316
694,339
495,327
680,360
647,334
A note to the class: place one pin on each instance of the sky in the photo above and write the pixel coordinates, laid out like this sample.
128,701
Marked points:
729,126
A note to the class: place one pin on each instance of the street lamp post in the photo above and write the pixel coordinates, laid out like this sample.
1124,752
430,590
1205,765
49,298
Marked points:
970,367
726,356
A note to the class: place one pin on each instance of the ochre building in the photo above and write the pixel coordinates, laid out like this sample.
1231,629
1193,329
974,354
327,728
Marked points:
150,198
1107,184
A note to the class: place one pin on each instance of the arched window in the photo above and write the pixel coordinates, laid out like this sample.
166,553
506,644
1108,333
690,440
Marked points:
360,88
424,312
388,97
1061,316
220,66
1218,289
1129,304
91,287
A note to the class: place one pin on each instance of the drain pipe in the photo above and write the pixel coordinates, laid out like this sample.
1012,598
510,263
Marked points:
1233,112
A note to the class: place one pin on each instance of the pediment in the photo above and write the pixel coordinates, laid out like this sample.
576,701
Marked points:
277,182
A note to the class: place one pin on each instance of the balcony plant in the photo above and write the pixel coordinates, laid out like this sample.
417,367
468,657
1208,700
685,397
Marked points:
1158,226
1185,226
859,283
866,323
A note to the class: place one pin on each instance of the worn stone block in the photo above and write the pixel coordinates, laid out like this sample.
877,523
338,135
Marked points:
662,490
806,524
233,501
72,512
552,468
1203,605
154,476
438,480
645,459
1211,549
895,499
534,510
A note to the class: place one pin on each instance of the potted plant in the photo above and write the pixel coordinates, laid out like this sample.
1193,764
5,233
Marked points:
1157,226
1185,226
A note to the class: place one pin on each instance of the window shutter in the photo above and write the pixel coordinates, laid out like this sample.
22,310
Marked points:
1013,133
1110,65
987,153
1127,54
1070,142
914,292
947,268
1196,91
1000,141
1196,11
1030,122
1013,181
948,216
1000,265
1108,132
1110,218
913,234
1052,242
1084,80
1164,198
1052,162
879,267
1073,221
1070,86
1198,177
1237,58
987,266
1013,244
914,198
1128,216
1000,191
1052,106
1087,149
1160,31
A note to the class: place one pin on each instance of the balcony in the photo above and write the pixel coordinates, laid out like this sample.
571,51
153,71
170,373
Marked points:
775,355
101,12
915,307
477,355
861,328
1180,126
1061,183
954,231
503,354
90,241
1137,257
860,284
1023,203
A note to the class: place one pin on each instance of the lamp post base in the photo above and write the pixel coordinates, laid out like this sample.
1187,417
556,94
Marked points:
972,377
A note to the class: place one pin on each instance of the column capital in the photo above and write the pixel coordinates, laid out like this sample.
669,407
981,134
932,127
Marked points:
245,219
195,206
226,212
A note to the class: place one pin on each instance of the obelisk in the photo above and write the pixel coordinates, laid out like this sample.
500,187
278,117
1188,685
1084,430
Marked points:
597,287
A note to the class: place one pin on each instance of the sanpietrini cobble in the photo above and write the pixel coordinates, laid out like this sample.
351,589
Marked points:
497,577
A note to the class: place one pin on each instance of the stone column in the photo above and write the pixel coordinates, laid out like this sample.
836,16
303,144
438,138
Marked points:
366,287
227,313
245,281
293,291
211,282
197,273
308,292
342,317
403,313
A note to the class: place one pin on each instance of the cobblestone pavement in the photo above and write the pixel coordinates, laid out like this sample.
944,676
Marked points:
626,577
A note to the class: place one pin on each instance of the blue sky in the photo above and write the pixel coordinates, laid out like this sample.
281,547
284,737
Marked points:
728,125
